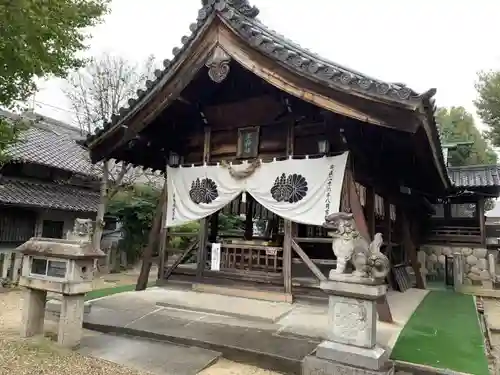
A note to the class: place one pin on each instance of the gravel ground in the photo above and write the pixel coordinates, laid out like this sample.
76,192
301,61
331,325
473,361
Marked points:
40,356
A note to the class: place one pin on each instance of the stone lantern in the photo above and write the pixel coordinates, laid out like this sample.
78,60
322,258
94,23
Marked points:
59,266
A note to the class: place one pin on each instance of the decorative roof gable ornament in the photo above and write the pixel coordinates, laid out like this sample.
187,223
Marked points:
242,6
218,64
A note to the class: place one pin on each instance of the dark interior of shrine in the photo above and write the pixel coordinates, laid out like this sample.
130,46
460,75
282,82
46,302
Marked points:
388,157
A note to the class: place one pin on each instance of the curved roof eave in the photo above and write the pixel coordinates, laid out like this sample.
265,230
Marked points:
242,19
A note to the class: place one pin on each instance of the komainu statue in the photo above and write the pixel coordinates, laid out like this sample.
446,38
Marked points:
82,230
349,245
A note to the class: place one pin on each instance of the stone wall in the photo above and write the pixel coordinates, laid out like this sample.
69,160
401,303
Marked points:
476,264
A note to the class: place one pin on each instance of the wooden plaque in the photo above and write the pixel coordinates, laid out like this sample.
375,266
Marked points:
248,142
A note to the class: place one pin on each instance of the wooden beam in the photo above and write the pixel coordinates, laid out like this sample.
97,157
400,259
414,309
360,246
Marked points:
179,260
175,80
314,269
302,87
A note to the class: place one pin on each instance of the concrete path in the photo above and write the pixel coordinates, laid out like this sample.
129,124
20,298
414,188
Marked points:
238,307
273,335
159,358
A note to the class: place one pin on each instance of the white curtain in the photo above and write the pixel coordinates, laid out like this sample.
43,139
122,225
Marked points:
302,190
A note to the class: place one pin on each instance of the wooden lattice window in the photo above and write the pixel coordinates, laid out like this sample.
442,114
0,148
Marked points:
52,229
379,206
463,210
439,210
316,231
361,190
393,212
16,225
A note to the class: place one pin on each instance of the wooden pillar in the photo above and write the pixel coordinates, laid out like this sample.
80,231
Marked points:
383,309
287,238
287,257
356,207
203,235
250,205
163,248
481,217
214,227
388,227
370,210
411,249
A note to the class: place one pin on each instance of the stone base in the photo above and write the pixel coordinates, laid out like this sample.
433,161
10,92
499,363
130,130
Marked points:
312,365
374,358
53,307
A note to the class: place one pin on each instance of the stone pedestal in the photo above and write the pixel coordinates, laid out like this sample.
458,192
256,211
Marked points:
458,271
33,312
59,266
71,320
350,346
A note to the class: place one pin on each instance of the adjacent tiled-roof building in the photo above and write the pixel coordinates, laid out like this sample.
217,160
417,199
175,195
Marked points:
49,183
475,176
46,147
50,147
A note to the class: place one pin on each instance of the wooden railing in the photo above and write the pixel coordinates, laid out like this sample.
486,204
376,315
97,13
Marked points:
249,257
454,234
10,266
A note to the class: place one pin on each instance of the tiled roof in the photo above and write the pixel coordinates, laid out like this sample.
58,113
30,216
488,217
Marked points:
44,147
475,176
44,195
241,17
54,145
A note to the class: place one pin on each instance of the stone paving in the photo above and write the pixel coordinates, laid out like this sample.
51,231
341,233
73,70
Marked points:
273,335
41,356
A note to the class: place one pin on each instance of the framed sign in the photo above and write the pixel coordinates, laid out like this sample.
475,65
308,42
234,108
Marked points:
215,257
248,142
56,269
47,267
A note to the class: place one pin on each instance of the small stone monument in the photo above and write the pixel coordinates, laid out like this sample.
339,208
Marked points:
58,266
351,346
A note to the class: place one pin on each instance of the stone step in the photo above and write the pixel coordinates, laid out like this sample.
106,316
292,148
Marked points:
158,358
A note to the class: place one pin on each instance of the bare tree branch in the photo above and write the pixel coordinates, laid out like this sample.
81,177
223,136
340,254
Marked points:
96,93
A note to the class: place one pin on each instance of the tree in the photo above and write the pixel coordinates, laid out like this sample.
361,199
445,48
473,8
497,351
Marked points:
38,39
488,103
457,125
96,92
134,207
10,134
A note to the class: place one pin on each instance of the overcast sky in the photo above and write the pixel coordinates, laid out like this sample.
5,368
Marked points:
425,43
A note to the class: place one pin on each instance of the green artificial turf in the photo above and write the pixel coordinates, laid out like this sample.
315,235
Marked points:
444,332
99,293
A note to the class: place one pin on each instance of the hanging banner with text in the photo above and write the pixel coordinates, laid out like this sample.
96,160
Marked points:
302,190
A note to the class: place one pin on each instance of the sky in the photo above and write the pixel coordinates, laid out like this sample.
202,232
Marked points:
425,44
